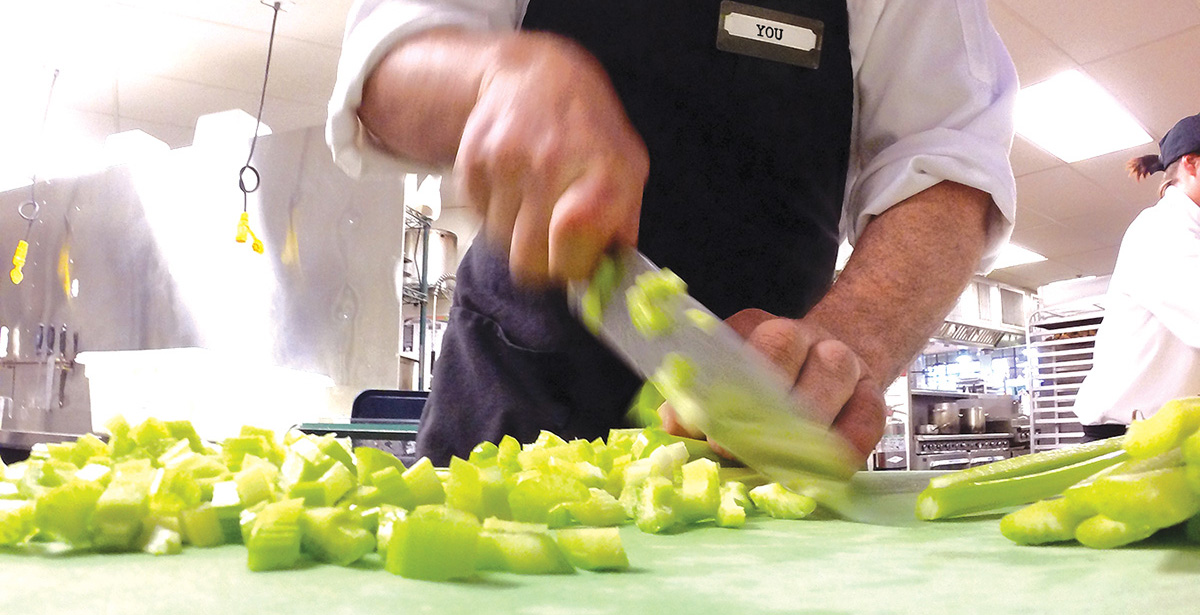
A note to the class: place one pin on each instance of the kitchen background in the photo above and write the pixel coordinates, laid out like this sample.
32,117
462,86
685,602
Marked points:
135,116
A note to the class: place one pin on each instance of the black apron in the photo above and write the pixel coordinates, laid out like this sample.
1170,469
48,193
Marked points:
748,162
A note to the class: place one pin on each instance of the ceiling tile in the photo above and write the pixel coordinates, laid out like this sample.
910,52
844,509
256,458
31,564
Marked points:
176,102
1028,219
1034,55
1028,158
1089,30
1055,240
1033,275
1156,82
174,136
1125,195
1096,262
317,21
1058,193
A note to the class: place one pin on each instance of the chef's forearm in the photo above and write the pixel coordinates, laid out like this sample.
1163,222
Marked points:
908,269
416,101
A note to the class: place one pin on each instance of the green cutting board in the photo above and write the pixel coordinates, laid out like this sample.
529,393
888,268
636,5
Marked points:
769,566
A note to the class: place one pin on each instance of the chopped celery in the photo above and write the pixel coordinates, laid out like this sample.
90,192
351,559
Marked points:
484,454
651,301
699,491
593,548
335,535
600,509
160,540
599,291
202,526
522,548
534,493
256,483
391,488
730,511
464,490
1009,486
1044,521
64,513
1192,529
507,451
275,538
17,522
369,460
780,503
120,512
656,505
423,481
434,543
1100,532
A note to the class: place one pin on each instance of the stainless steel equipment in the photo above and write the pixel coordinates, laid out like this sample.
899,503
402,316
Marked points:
969,443
945,418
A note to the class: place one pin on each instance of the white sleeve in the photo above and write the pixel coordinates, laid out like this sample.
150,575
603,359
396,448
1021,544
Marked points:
1159,263
935,95
372,28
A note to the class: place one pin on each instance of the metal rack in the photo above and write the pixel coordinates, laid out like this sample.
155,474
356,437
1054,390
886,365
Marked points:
1060,352
416,293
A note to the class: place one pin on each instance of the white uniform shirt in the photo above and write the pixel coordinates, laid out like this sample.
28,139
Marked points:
1148,345
934,93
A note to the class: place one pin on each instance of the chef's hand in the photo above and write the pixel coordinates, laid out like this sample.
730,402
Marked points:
550,160
829,378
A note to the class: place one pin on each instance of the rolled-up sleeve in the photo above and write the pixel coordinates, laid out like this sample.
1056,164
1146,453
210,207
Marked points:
935,96
372,28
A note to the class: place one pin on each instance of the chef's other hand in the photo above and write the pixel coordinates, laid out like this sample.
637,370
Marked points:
550,159
829,378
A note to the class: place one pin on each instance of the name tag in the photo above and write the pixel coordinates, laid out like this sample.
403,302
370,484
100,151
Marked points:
770,35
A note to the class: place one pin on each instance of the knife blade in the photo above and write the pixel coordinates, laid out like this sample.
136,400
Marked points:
719,385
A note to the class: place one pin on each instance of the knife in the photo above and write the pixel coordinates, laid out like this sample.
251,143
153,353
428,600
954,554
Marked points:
719,385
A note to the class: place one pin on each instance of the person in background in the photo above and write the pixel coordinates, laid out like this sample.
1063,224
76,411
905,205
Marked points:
735,144
1147,348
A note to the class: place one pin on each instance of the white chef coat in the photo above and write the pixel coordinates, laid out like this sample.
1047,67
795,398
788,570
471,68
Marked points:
1148,345
934,94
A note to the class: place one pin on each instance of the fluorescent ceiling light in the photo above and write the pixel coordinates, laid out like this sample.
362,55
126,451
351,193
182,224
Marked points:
223,128
1072,117
1012,255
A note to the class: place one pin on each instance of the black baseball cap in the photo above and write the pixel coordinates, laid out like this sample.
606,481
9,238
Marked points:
1182,139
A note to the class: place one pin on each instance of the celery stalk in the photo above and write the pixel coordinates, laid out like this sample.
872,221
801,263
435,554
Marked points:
1100,532
1044,521
1009,486
589,548
1029,464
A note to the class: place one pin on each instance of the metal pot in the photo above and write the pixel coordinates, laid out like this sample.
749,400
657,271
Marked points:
944,416
974,419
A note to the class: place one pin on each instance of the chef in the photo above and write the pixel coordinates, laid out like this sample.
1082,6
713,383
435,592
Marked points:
1148,346
736,144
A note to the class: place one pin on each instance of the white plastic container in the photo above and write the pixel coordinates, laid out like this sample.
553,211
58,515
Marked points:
217,392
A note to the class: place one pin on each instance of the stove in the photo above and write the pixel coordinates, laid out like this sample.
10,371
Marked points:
959,451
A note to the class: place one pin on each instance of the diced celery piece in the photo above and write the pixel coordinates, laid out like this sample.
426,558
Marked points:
388,516
274,451
622,439
494,492
484,454
730,512
153,436
599,292
64,513
656,505
17,521
702,320
255,482
423,481
780,503
650,302
234,449
184,430
172,492
274,541
522,548
463,487
507,451
600,509
370,460
311,491
534,493
56,472
335,535
202,526
120,513
162,541
593,548
434,543
643,411
392,488
337,481
87,447
338,449
305,461
1100,532
1164,430
1044,521
699,491
95,472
